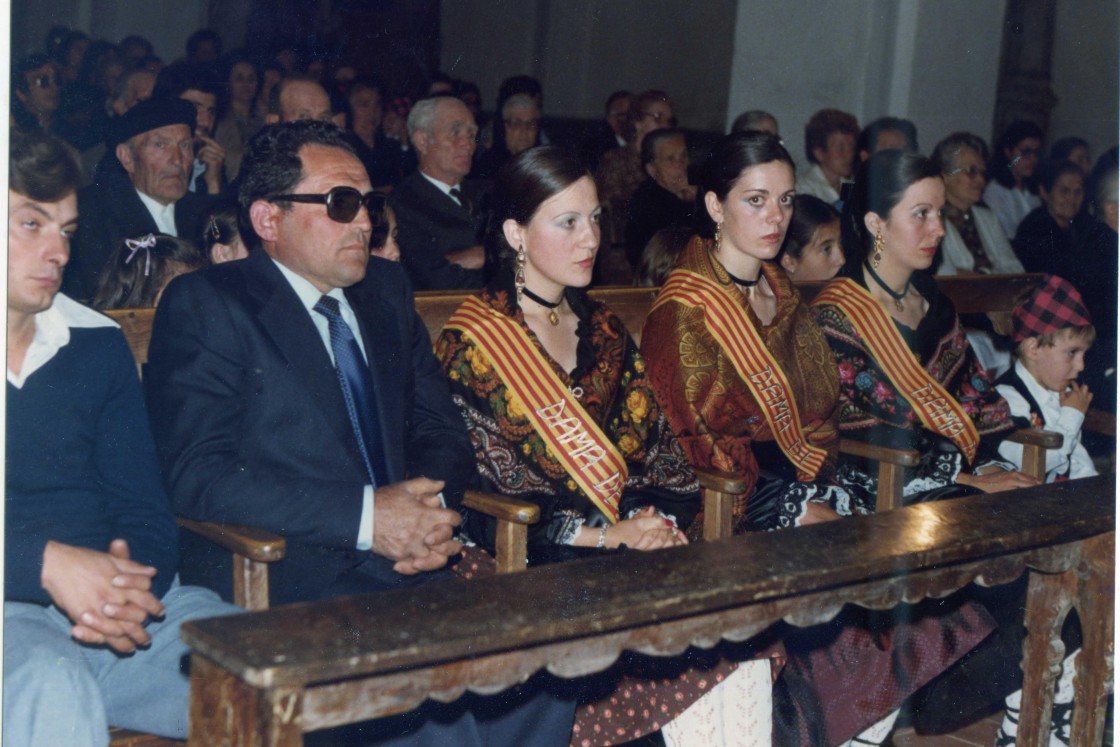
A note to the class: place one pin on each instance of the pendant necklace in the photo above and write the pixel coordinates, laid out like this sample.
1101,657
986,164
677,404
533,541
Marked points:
553,317
879,281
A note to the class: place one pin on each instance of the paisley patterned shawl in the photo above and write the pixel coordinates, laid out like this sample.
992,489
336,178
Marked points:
871,407
513,460
717,418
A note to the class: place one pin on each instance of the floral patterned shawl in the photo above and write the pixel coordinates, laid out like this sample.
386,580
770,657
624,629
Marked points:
512,458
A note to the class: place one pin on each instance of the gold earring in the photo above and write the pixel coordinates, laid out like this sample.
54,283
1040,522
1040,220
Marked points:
519,271
877,257
719,238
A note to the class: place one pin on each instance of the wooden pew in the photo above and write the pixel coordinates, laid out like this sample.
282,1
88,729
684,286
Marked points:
268,677
253,549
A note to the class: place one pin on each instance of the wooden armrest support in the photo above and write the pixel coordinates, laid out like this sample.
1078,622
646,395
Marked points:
502,507
901,457
721,482
253,543
1100,421
1036,437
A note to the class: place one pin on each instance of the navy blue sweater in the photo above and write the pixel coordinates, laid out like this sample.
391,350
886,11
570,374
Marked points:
81,466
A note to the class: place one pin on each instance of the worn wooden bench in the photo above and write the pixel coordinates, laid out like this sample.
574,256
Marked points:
267,678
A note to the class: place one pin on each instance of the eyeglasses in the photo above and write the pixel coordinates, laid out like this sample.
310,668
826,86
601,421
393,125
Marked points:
46,81
658,116
343,203
970,171
522,124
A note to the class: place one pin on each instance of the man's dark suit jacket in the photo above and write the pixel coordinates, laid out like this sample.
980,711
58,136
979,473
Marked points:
110,211
251,427
431,226
652,208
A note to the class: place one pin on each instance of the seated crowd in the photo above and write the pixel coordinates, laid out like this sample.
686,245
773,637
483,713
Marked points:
281,215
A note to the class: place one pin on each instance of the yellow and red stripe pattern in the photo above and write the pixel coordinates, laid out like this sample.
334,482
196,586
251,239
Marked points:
729,324
572,437
936,408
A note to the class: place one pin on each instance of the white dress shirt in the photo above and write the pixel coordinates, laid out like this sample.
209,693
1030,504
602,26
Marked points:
1055,417
163,215
309,295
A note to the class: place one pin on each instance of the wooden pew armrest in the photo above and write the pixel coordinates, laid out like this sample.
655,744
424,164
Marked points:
1100,421
502,507
900,457
255,544
511,541
721,482
1037,437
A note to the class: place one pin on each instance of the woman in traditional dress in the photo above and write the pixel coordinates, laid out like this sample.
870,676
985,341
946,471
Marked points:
560,411
748,383
907,376
908,379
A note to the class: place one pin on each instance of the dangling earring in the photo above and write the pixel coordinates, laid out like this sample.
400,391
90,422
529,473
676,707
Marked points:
719,238
877,257
519,271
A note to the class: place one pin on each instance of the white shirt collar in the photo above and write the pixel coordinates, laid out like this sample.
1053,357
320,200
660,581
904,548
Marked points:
52,333
441,186
163,215
308,294
1041,394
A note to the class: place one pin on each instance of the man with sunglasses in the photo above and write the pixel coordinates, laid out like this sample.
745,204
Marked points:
38,93
296,391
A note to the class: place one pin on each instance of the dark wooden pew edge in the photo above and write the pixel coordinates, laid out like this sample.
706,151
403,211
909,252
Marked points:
576,618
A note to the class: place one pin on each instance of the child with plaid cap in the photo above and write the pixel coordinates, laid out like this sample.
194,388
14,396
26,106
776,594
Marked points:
1052,330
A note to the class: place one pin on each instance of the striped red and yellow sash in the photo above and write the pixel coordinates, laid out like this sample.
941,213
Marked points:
572,437
728,323
936,408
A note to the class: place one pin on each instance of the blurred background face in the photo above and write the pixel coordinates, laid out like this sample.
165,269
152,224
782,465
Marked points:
522,125
619,115
964,183
1080,156
44,92
835,158
670,164
243,82
1063,200
365,106
656,115
1023,158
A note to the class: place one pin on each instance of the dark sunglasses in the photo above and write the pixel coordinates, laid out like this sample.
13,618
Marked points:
343,203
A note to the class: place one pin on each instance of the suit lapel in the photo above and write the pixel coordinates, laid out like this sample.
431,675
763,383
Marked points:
440,202
288,323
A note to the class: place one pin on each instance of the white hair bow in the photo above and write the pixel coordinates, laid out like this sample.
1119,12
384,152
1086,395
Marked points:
146,243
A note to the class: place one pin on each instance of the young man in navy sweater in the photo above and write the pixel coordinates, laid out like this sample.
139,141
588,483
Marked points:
92,605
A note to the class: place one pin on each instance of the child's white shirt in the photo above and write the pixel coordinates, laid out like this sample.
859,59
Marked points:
1064,420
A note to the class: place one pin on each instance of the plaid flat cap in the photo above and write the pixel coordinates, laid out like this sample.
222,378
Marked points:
1052,306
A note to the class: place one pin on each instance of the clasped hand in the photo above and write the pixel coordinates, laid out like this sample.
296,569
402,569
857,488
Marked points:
645,530
411,527
105,594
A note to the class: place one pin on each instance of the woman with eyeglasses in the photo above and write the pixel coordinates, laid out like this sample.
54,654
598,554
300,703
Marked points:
1012,191
974,242
519,130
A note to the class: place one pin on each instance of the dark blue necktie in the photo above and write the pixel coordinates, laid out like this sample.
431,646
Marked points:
357,389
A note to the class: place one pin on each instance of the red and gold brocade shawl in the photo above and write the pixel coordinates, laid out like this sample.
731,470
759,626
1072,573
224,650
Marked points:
708,405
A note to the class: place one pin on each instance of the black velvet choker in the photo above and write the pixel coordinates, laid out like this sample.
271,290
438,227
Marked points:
744,283
879,281
553,317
